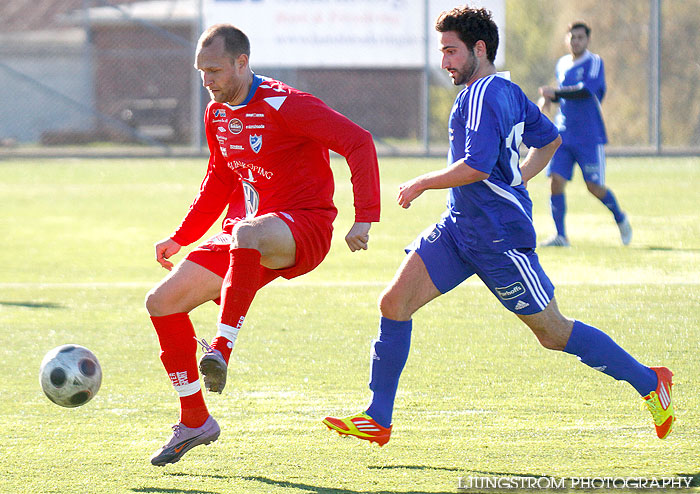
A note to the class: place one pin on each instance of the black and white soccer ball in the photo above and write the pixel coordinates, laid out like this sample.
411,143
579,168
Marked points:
70,375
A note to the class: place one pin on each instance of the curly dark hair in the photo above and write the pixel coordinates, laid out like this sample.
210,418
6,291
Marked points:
471,25
580,25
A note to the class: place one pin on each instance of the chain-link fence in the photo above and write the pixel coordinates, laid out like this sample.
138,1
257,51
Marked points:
116,76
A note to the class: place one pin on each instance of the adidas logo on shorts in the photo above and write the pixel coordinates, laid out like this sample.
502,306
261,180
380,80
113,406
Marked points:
521,305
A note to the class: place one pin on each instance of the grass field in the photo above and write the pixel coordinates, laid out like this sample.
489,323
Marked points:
479,396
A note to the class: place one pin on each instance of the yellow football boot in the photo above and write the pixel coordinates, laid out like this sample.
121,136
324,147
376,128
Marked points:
660,404
361,426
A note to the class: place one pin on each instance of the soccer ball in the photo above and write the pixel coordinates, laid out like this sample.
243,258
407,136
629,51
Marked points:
70,375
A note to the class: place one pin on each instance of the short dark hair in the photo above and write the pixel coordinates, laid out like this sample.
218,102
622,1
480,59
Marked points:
580,25
471,26
235,41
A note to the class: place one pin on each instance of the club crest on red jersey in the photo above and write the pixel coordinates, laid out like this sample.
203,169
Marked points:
235,126
255,143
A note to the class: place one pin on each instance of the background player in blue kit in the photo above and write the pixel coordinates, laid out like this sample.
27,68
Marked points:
581,78
486,230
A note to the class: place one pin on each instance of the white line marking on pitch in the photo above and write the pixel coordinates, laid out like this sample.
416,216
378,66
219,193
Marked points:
331,284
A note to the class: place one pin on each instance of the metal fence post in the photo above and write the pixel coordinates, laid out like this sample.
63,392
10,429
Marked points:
426,79
197,28
655,75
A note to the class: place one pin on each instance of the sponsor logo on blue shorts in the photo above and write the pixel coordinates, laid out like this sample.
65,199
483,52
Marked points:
511,291
434,235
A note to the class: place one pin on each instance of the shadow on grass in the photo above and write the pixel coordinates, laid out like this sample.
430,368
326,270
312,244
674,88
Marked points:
509,474
413,467
667,249
163,490
33,305
331,490
207,475
695,482
159,490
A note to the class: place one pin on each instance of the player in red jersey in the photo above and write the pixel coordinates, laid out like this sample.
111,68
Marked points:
269,163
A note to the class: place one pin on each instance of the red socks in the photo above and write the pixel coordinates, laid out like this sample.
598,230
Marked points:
237,292
176,334
179,356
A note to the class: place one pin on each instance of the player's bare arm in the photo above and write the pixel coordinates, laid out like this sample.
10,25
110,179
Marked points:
547,96
458,173
165,249
537,159
358,236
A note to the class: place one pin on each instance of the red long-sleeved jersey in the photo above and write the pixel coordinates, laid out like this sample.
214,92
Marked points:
271,154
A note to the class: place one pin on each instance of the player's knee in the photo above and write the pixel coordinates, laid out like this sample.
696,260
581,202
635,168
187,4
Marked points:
557,184
392,306
554,335
244,236
151,302
551,342
595,189
156,303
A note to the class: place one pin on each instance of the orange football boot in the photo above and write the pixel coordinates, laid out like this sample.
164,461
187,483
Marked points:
660,404
361,426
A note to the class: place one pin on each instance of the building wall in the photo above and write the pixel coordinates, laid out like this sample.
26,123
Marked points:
131,76
134,65
44,87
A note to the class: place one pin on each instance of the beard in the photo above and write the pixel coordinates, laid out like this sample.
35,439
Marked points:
219,96
465,72
578,51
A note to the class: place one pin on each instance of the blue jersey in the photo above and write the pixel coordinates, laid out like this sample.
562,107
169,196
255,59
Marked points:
489,120
580,120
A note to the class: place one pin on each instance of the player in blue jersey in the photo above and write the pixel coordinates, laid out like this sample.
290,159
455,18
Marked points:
486,230
581,78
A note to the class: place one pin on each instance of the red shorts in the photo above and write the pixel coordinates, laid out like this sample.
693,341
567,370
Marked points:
312,232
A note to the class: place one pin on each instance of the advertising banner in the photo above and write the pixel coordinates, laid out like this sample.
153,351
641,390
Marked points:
341,33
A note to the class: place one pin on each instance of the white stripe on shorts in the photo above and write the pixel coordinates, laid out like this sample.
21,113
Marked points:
530,277
600,149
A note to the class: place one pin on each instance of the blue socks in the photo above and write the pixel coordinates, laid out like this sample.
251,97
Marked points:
593,347
389,355
611,203
597,350
558,205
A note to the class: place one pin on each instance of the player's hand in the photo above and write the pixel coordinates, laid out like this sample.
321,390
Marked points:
408,191
547,92
358,236
165,249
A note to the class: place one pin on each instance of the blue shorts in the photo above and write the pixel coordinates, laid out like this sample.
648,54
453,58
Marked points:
515,277
590,158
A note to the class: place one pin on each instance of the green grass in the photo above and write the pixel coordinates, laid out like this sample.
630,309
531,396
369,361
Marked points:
478,397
